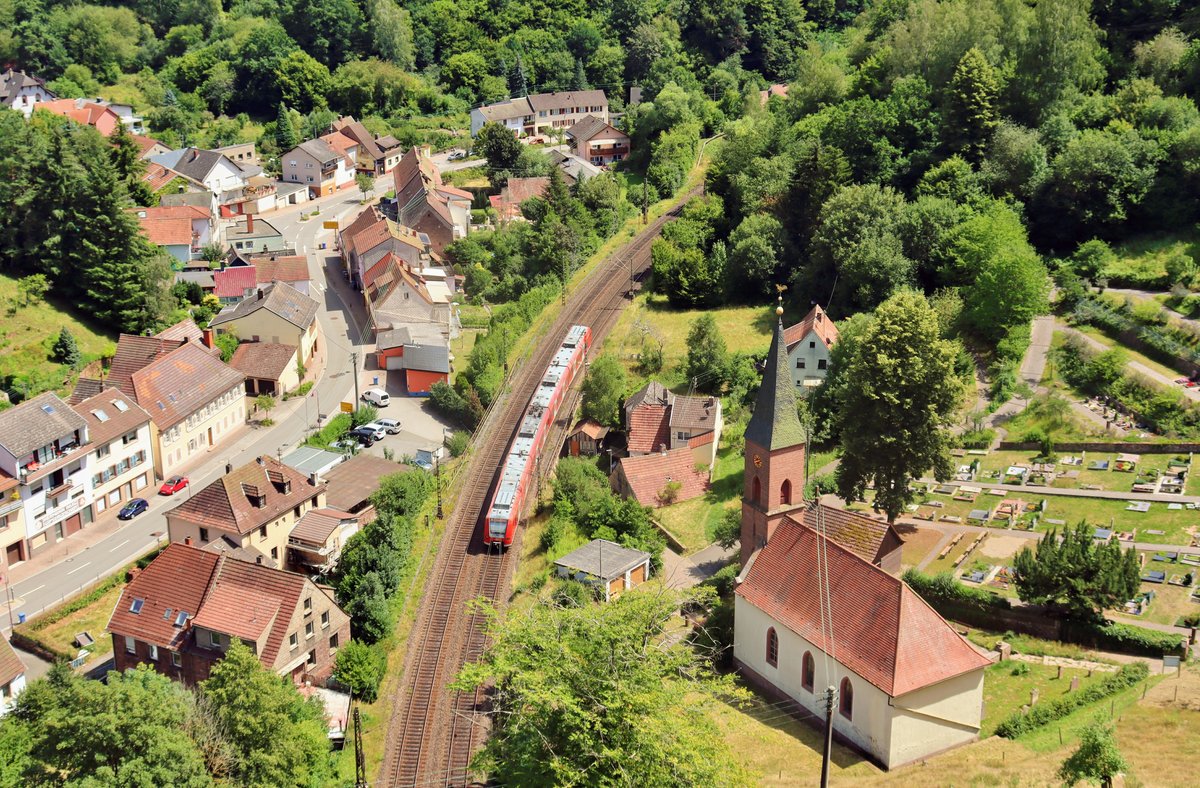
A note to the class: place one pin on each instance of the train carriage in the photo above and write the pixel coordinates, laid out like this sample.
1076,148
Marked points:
520,460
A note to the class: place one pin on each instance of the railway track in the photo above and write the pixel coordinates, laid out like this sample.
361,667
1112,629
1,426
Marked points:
433,731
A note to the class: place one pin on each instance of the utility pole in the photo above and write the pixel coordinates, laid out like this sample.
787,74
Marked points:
360,761
437,473
354,361
829,696
631,276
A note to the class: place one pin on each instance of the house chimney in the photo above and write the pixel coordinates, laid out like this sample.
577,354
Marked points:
187,540
259,460
260,293
312,478
662,449
258,559
195,155
249,222
208,337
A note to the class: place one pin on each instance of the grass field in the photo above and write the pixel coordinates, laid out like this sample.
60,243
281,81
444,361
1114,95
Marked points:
28,332
1005,693
92,619
744,329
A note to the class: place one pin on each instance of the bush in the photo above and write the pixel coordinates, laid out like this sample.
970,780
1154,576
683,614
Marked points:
458,442
451,404
1123,638
1020,669
361,668
338,426
977,439
820,485
1018,724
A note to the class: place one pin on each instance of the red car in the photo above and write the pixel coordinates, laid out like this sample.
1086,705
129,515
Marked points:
173,485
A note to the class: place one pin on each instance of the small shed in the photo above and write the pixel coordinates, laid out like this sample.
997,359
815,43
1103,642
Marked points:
586,438
308,460
605,563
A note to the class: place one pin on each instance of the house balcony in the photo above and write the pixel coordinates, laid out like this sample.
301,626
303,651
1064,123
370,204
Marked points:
34,469
320,559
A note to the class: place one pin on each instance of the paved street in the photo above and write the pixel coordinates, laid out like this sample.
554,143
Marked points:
96,552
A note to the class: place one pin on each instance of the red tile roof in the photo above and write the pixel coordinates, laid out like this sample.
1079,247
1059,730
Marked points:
120,415
235,282
101,118
145,143
177,579
815,320
10,664
285,268
649,428
264,360
135,353
225,503
866,537
648,475
167,231
175,386
220,593
158,176
882,630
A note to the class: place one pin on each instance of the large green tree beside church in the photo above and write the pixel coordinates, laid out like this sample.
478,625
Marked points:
903,396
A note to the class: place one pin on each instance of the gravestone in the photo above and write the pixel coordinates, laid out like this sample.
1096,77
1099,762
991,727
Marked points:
1033,696
1060,671
1074,684
1005,651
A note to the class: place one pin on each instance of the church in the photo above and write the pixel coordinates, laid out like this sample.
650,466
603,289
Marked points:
819,604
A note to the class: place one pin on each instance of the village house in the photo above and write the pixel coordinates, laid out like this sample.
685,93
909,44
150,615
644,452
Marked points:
307,460
180,231
316,542
232,285
516,191
420,352
241,274
243,154
808,344
86,113
352,482
537,114
181,613
23,92
606,565
12,522
815,607
320,166
396,298
12,676
211,169
376,155
372,237
245,233
255,506
661,478
270,368
595,141
656,419
148,147
277,267
573,168
44,447
195,400
425,204
122,450
278,313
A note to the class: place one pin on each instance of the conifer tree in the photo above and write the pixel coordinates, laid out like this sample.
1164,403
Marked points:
518,85
285,132
66,349
971,113
1075,572
578,79
127,158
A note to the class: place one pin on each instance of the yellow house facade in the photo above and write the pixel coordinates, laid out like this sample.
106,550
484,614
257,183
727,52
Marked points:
278,313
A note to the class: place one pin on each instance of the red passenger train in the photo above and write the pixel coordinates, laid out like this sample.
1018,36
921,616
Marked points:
516,480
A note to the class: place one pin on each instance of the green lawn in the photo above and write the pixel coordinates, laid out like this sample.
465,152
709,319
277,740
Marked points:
744,329
1005,693
92,619
28,332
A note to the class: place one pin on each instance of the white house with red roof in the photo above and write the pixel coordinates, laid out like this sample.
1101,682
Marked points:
808,344
816,610
180,230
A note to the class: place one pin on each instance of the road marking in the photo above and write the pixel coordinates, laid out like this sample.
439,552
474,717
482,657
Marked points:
118,547
81,566
34,591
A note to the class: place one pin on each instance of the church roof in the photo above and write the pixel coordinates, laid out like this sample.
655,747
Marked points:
867,538
882,630
774,424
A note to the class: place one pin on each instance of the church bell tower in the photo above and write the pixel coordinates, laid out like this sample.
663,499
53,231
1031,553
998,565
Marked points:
773,484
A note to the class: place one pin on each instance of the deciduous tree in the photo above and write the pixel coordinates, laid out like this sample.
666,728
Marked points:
706,357
901,400
604,391
1097,757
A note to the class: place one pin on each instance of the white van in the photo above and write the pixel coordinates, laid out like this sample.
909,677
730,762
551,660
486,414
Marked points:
377,397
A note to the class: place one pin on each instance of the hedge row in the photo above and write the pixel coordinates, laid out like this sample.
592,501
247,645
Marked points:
1018,724
1122,638
943,587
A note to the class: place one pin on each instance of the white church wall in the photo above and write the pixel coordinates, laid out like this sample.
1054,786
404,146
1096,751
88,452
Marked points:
936,718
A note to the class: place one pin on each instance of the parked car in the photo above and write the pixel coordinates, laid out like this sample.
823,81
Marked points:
173,485
133,509
458,154
391,425
345,445
365,437
379,430
377,397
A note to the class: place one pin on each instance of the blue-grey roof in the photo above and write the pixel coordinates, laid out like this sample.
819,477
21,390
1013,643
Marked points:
774,423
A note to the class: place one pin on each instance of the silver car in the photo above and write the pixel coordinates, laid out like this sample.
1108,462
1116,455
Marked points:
391,425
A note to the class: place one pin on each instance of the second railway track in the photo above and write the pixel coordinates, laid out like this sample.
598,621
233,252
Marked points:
433,732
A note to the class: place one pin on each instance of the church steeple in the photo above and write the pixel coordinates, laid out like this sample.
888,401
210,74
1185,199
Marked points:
774,423
773,479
